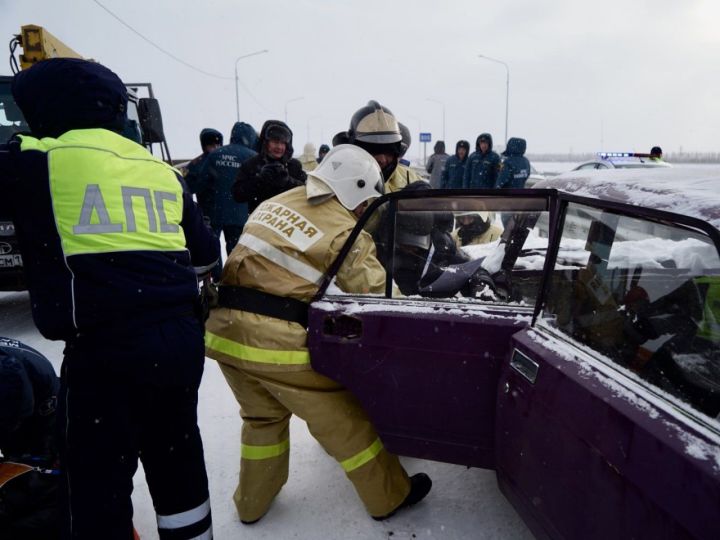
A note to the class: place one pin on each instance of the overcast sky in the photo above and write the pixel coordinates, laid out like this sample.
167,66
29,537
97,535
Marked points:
584,76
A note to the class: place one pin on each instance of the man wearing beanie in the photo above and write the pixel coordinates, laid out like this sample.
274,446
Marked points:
110,239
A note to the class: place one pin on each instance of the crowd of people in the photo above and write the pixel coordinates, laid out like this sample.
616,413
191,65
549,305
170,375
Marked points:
114,244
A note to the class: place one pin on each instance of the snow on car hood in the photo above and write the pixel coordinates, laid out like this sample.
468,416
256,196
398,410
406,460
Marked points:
688,191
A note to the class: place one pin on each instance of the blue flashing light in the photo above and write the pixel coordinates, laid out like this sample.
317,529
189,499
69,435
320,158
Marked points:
609,155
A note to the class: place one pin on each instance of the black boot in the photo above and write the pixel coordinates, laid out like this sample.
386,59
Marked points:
420,485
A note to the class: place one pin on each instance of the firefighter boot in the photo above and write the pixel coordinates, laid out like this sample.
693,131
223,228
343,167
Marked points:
420,485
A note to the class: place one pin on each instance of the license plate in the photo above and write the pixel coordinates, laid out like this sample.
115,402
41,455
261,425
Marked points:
10,261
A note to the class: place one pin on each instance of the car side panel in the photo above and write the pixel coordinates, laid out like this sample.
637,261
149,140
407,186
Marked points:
582,457
426,376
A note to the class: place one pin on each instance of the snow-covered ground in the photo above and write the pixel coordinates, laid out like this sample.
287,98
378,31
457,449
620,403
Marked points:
317,502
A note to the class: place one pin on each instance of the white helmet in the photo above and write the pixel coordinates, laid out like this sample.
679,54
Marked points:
348,172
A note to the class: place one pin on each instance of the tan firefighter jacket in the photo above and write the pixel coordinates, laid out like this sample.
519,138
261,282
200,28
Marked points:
286,247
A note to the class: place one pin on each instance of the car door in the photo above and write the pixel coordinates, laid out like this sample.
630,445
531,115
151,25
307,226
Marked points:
607,413
425,363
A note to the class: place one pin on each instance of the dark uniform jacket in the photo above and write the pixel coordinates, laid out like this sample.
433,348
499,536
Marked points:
192,176
481,169
218,174
262,177
454,171
515,166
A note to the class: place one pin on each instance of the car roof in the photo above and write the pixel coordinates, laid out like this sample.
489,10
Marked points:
688,191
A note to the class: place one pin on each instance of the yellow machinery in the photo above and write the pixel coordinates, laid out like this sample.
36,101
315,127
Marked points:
39,44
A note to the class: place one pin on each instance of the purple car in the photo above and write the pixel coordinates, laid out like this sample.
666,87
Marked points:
577,354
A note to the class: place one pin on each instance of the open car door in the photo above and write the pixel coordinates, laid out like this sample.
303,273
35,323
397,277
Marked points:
607,415
424,359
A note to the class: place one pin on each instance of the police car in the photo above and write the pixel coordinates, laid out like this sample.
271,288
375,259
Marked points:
621,160
585,367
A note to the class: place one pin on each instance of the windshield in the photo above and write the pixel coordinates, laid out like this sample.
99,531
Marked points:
11,119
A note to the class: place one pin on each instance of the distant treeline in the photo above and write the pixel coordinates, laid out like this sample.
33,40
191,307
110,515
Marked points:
673,157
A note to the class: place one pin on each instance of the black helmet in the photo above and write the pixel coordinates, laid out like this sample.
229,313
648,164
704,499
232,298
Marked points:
406,139
374,124
324,149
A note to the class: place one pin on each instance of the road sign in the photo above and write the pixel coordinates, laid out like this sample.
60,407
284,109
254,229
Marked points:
425,137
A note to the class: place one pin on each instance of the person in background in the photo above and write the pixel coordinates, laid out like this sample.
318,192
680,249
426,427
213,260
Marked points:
515,168
111,241
307,158
656,154
272,171
29,472
217,177
324,149
454,170
259,336
436,163
483,165
406,141
210,139
375,129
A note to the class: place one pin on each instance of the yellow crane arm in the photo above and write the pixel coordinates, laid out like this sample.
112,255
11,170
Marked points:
39,44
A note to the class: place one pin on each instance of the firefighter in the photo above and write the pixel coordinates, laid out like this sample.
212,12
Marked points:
258,335
109,239
375,129
475,228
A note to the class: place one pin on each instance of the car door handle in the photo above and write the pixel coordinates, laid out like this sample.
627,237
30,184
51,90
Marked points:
525,366
342,326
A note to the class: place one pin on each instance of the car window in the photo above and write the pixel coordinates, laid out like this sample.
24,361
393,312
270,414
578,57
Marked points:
461,249
586,167
644,294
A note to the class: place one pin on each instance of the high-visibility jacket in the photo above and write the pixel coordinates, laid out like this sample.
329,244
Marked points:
285,249
402,176
104,230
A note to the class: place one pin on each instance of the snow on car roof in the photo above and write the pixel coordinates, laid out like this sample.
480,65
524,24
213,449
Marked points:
688,191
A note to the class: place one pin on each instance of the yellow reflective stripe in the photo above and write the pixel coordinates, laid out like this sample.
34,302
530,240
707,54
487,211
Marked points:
248,451
255,354
361,458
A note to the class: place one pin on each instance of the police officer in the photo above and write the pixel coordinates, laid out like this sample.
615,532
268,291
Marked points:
375,129
28,469
259,337
483,164
109,240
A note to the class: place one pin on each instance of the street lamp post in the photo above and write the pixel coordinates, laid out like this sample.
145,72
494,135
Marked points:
443,113
290,101
507,89
237,94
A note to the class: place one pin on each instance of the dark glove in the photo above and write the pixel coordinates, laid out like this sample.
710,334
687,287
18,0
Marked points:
273,172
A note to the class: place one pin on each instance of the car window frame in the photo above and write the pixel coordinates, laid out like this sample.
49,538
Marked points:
632,211
550,195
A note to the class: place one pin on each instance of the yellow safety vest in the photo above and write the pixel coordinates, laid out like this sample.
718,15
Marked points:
109,194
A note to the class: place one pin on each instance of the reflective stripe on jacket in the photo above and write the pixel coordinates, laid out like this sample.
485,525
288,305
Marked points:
134,204
286,247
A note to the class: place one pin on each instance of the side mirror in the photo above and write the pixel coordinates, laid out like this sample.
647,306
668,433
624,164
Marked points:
150,121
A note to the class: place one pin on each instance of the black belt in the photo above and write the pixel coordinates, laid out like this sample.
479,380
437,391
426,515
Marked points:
278,307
